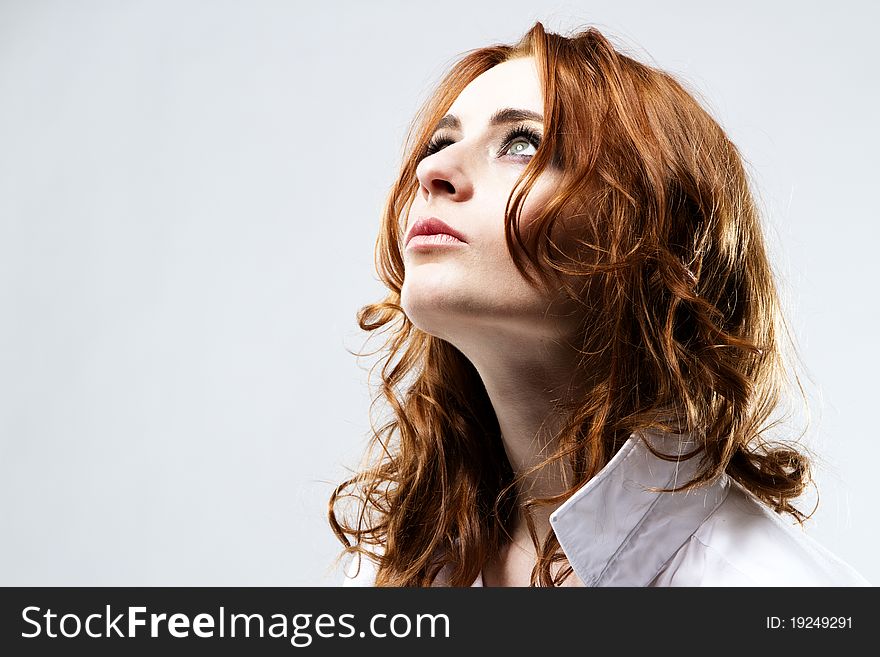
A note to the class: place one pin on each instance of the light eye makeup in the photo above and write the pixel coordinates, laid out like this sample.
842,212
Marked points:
520,133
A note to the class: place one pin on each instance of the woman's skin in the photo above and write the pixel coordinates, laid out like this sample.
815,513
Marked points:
471,294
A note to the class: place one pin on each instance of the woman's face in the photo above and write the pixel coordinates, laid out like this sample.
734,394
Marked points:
452,288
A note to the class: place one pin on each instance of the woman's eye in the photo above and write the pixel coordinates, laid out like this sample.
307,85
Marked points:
521,142
521,146
437,143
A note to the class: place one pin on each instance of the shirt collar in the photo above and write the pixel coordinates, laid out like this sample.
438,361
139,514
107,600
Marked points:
615,531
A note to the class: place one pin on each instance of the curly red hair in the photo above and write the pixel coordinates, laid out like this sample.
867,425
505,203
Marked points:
687,337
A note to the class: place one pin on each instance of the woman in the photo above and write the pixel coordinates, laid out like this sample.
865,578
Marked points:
584,349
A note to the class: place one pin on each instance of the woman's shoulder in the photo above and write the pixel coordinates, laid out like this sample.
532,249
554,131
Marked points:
745,543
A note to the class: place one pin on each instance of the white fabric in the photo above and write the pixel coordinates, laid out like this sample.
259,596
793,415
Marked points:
615,531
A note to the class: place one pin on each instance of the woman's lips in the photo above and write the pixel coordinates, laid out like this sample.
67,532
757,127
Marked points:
425,242
432,227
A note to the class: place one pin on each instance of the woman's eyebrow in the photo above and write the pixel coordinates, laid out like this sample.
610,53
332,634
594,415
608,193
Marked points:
501,117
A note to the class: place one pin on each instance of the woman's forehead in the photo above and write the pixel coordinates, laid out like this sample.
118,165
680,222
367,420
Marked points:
514,83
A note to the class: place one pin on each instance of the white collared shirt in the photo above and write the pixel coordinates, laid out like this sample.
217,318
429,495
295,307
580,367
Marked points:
615,531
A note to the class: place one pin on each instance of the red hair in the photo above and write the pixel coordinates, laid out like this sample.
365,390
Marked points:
682,331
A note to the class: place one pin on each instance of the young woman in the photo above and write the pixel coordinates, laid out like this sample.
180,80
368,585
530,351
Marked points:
584,347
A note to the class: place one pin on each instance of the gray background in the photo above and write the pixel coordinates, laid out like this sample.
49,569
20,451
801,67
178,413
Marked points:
189,197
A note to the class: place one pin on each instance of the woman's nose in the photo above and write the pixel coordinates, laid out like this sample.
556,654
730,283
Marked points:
443,174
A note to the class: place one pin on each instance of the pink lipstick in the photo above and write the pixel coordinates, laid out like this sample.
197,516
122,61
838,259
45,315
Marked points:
432,232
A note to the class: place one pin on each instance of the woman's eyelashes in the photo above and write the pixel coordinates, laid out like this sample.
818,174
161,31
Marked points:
522,134
438,141
515,143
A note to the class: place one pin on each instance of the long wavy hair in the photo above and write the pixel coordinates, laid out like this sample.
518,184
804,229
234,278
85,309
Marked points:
682,332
